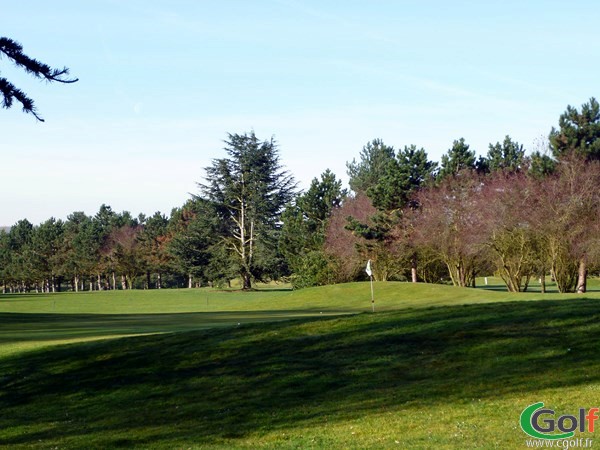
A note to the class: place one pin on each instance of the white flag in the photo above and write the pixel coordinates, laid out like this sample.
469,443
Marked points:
368,269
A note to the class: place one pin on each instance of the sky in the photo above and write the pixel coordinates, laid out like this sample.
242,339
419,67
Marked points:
161,83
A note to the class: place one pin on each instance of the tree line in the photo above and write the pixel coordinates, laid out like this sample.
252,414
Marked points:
507,213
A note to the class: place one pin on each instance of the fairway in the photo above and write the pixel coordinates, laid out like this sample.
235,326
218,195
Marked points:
435,367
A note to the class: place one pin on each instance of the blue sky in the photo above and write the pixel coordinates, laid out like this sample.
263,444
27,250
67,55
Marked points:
163,82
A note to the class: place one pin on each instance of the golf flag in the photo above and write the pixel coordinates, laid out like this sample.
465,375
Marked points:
370,273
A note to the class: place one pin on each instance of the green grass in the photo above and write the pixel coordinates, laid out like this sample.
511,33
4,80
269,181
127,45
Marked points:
436,367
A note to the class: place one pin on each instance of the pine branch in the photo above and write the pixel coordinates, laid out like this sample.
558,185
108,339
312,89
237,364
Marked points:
14,51
10,92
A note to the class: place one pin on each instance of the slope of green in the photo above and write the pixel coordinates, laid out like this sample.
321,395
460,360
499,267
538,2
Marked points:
30,321
436,367
448,377
350,297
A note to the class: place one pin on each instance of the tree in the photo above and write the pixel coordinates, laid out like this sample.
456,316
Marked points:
345,246
153,247
80,249
14,51
18,244
569,220
541,165
508,156
401,178
45,244
193,243
458,158
248,192
578,136
303,233
579,132
107,222
375,157
126,253
449,223
391,192
507,201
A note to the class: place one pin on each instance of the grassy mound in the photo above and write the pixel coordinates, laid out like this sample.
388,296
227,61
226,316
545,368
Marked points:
444,377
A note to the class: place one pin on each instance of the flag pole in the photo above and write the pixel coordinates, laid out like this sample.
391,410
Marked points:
372,295
370,273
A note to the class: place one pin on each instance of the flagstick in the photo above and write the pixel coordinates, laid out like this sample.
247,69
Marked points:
372,296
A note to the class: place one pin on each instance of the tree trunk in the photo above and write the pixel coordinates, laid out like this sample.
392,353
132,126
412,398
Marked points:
123,283
582,278
76,283
246,281
114,281
413,268
99,282
148,280
190,281
91,284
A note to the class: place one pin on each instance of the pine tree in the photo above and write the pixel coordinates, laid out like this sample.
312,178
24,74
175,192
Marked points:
303,233
375,157
14,51
579,132
458,158
248,191
508,156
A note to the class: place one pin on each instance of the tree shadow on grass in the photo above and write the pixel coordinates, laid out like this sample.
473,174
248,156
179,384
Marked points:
26,327
210,386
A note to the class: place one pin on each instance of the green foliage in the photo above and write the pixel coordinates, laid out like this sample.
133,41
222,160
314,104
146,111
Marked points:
541,165
508,156
401,178
193,237
393,182
457,159
578,132
14,51
303,233
247,192
375,157
322,197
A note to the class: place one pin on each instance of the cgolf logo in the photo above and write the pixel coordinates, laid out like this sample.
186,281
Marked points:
540,423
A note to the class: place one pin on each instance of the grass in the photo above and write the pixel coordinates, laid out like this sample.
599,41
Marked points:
436,367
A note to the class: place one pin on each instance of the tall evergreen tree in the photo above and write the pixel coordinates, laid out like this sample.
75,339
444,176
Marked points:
153,249
401,178
303,233
45,243
458,158
578,132
80,248
14,51
541,165
248,191
375,157
508,156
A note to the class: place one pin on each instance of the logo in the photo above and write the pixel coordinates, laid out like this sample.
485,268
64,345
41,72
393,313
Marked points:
540,423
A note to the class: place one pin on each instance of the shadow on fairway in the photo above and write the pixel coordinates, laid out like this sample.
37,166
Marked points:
24,327
206,387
